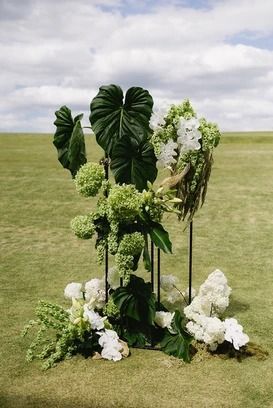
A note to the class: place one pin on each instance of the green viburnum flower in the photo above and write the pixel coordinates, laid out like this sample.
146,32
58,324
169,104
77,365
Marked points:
124,203
210,134
130,246
82,226
89,179
111,309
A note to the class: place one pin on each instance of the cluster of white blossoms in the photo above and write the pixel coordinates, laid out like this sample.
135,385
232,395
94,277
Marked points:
111,346
212,298
164,319
94,292
86,300
95,320
188,134
167,154
203,314
158,117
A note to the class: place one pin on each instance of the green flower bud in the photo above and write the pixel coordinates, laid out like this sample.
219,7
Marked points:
89,178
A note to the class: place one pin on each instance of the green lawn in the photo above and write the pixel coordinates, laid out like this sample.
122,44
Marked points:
40,255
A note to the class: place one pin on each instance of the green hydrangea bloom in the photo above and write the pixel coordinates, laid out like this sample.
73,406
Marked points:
82,226
131,244
111,309
124,203
89,179
210,134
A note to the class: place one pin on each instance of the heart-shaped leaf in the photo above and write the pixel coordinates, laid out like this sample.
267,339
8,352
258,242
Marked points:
133,162
111,119
69,140
136,300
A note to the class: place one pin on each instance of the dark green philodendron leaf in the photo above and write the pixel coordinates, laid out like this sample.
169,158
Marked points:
178,342
146,255
111,119
160,237
136,300
69,140
133,162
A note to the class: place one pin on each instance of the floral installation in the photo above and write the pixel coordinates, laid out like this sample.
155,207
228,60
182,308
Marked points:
107,316
184,145
204,313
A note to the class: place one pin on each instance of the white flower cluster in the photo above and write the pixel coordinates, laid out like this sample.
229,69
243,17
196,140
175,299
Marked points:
95,293
188,134
158,117
111,347
167,153
164,319
203,314
85,314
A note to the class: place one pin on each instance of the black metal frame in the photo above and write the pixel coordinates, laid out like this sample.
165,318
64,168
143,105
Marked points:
105,163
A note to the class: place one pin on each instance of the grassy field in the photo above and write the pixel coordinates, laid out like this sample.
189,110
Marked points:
39,256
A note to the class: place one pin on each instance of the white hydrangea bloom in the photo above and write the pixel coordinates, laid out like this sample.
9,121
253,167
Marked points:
210,330
167,153
95,293
109,341
114,278
158,117
216,290
188,134
199,306
164,319
234,333
168,282
95,320
73,290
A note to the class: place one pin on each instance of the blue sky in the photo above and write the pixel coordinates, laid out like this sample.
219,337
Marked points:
217,53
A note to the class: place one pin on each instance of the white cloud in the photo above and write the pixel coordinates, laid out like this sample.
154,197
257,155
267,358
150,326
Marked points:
55,53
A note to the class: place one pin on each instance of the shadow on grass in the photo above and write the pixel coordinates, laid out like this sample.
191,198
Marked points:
33,401
237,306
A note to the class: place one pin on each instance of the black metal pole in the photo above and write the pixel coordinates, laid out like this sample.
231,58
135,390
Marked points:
152,265
106,265
158,276
190,261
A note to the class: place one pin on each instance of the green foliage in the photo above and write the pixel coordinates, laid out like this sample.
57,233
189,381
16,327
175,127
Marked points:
136,300
69,140
177,342
56,337
111,119
122,130
160,237
133,162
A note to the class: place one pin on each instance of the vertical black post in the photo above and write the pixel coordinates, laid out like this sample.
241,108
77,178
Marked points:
152,265
190,261
158,276
105,162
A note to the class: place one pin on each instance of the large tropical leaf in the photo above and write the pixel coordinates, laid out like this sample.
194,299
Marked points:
69,140
133,162
160,237
177,343
136,300
111,118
